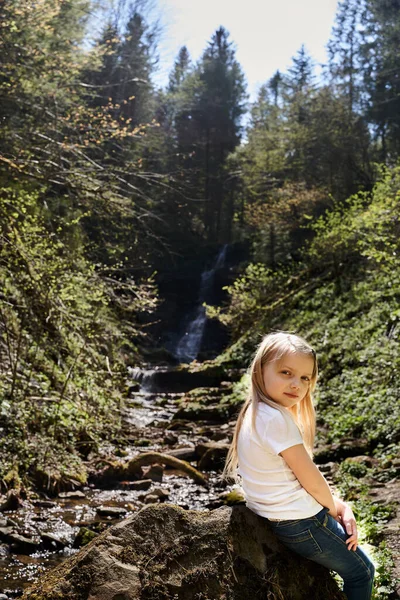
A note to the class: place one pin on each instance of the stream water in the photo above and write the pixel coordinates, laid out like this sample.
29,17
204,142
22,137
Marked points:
54,523
192,329
146,418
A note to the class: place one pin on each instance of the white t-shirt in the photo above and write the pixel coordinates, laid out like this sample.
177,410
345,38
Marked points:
270,487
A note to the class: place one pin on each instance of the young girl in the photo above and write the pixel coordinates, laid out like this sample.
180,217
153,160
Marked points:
272,449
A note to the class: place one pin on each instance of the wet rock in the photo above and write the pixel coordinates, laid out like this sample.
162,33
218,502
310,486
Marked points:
139,443
170,438
84,536
12,501
188,454
44,503
5,532
12,523
181,378
218,436
157,495
166,552
21,544
111,511
197,412
151,499
75,495
51,542
204,395
212,455
133,387
142,484
153,472
180,424
163,494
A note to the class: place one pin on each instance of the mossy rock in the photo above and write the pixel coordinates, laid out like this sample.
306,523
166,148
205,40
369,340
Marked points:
194,411
204,392
55,478
164,552
84,536
234,497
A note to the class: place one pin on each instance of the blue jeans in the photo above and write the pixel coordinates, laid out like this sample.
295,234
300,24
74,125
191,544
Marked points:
322,540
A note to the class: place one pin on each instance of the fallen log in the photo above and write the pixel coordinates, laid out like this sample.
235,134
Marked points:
149,458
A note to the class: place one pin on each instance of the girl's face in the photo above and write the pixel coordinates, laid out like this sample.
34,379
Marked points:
287,379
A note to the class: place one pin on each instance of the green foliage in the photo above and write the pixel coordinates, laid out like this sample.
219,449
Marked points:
343,296
61,345
238,393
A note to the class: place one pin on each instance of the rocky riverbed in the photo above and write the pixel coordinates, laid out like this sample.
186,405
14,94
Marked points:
177,427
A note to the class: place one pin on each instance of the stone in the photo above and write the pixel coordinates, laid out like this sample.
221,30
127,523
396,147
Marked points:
12,523
21,544
214,413
212,455
183,378
218,436
83,537
169,553
142,484
203,447
163,494
153,472
75,495
151,499
179,424
12,501
187,454
170,438
51,542
5,532
44,503
111,511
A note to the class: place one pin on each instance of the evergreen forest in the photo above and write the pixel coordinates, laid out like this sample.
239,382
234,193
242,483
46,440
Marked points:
111,187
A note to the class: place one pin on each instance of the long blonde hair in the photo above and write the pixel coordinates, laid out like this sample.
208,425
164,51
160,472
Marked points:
273,347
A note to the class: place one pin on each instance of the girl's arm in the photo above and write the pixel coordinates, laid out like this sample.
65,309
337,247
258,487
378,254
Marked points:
347,520
309,476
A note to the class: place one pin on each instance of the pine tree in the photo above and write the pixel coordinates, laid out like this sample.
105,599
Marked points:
381,74
344,53
217,113
275,84
299,91
180,71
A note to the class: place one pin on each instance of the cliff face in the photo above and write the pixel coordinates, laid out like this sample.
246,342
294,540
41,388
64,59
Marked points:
166,553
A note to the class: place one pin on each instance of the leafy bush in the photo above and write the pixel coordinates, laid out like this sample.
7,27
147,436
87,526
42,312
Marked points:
61,345
344,298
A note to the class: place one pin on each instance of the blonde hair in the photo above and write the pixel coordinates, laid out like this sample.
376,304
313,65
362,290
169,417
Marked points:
273,347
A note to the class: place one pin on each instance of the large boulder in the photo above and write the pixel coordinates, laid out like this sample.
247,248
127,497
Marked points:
166,553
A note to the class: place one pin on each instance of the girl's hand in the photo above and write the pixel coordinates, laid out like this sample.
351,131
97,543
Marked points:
346,519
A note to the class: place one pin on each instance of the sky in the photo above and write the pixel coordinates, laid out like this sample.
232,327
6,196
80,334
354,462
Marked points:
266,33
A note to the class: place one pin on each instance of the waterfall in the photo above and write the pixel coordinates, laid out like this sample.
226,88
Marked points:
189,344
